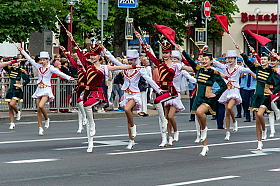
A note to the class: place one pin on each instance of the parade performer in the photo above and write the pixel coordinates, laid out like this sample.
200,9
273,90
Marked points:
167,71
132,96
4,64
43,91
205,100
80,88
177,81
14,93
261,100
231,96
274,65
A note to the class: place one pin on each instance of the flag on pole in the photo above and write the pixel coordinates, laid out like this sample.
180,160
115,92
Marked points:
223,21
261,39
167,32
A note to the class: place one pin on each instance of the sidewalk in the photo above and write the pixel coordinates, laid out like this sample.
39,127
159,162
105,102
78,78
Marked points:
28,116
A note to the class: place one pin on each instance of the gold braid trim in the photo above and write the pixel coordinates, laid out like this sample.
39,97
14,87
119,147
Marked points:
257,109
209,108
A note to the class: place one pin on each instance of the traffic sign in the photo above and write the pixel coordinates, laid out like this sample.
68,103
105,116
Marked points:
129,29
200,36
207,9
127,3
102,9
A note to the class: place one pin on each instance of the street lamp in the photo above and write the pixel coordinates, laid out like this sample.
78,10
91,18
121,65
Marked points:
69,21
257,12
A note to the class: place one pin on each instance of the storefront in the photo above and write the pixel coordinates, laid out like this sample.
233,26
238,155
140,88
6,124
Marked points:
265,24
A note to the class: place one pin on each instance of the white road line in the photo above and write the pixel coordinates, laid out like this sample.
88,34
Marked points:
263,152
104,136
187,147
201,181
275,170
6,132
32,161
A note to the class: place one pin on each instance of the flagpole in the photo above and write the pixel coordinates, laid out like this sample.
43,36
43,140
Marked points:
231,39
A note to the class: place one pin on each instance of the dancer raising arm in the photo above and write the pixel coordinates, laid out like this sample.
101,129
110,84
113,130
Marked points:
205,100
231,96
261,100
14,93
80,89
43,91
167,71
132,97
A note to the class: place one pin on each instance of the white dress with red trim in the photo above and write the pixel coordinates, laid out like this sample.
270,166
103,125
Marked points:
177,80
130,85
233,87
44,78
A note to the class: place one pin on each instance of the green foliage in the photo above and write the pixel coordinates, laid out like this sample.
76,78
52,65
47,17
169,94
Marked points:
22,17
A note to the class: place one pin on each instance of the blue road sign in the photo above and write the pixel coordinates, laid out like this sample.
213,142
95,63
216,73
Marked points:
127,3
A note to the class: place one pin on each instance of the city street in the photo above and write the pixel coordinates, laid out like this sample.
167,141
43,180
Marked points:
60,158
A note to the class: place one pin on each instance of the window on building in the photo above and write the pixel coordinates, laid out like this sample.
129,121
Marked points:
263,1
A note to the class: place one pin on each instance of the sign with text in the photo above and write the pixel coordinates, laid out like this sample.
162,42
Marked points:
200,36
127,3
129,29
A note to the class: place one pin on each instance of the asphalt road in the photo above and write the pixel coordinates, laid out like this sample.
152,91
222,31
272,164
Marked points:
60,158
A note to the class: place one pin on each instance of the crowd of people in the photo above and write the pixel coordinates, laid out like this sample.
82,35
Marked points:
130,83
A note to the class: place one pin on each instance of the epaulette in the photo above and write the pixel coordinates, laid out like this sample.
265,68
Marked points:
256,65
22,70
274,70
197,67
217,72
9,67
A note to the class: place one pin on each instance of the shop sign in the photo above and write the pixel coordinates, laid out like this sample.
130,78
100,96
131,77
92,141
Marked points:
245,17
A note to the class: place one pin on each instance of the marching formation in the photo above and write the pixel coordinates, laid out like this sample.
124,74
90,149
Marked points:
218,83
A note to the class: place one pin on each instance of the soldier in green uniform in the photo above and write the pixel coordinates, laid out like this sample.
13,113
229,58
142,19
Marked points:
14,93
261,100
205,101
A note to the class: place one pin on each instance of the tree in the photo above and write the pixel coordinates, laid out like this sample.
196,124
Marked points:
174,14
20,18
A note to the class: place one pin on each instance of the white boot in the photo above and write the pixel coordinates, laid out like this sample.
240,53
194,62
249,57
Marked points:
264,134
41,131
162,117
197,127
260,145
227,135
18,116
47,123
163,140
12,126
204,151
170,142
176,136
91,122
276,110
133,131
130,145
204,134
90,139
235,127
80,120
271,123
82,109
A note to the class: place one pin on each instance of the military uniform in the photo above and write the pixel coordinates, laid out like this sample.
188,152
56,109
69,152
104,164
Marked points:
205,80
265,78
15,76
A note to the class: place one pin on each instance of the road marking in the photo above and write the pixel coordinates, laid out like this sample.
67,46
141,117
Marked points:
111,143
32,161
187,147
104,136
262,152
275,170
201,181
6,132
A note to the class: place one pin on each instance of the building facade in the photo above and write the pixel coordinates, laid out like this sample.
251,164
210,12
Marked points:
264,24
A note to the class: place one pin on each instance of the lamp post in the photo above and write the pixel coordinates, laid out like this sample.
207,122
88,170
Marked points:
69,21
191,24
257,12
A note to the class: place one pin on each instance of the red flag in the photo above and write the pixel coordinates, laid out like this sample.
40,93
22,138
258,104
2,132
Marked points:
261,39
223,21
167,32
